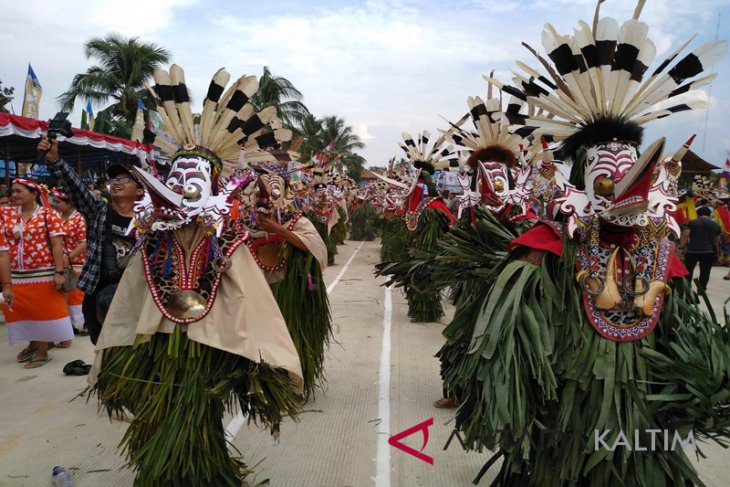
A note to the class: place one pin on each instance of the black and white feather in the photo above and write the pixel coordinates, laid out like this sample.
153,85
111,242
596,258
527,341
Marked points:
439,156
600,72
490,127
230,126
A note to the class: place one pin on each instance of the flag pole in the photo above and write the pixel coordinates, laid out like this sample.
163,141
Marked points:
709,92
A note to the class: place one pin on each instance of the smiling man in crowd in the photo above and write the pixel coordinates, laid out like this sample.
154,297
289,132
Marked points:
107,223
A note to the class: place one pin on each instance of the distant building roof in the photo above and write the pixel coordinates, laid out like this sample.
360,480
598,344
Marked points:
367,174
694,164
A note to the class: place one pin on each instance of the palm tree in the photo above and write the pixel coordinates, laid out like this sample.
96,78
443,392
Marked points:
335,130
124,67
280,93
6,96
354,165
311,129
319,133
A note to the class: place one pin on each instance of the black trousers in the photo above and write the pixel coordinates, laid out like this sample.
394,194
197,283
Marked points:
705,261
88,308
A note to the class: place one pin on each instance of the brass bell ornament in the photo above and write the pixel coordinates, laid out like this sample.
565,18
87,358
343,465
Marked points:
186,305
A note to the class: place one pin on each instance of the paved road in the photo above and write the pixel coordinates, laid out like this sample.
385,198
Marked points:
378,384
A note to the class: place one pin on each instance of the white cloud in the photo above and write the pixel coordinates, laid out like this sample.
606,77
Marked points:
50,35
135,17
362,132
385,66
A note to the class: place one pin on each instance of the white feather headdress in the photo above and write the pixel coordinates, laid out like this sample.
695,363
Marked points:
491,127
439,157
230,127
493,138
598,74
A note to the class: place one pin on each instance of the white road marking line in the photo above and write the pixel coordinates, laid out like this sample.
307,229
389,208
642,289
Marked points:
342,272
382,478
234,427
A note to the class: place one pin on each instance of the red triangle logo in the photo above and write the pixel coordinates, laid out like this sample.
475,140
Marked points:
423,427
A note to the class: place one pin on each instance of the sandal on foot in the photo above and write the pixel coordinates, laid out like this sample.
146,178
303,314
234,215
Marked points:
64,344
26,354
727,278
37,362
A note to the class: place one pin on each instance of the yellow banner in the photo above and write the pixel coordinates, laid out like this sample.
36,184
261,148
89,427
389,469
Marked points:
32,96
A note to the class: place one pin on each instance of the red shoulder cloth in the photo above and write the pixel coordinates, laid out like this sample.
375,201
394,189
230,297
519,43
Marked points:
680,215
543,236
438,204
676,267
546,236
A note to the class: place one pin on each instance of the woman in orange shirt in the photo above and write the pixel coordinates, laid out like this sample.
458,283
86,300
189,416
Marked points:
39,314
74,240
7,293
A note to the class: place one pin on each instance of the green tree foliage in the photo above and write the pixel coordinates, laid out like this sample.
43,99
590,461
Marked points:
319,133
6,96
124,66
279,92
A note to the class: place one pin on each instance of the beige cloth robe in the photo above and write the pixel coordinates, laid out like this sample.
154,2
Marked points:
304,229
335,218
244,319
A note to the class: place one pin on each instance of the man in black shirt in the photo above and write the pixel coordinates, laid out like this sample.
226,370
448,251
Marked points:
700,240
106,224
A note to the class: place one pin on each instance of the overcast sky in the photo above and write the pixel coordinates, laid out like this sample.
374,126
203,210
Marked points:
384,66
